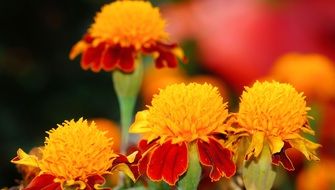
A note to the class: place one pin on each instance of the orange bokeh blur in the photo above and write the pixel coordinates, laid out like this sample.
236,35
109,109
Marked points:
319,176
155,79
313,74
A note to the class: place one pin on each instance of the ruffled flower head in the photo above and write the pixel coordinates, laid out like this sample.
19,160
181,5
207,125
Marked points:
275,114
75,155
122,30
180,116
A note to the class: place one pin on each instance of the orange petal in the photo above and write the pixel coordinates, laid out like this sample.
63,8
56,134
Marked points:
168,162
77,49
214,155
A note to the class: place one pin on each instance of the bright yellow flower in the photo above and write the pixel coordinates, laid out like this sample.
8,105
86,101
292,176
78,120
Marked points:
181,115
76,150
76,155
129,23
122,30
275,114
302,70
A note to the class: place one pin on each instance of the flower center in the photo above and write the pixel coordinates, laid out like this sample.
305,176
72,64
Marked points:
76,150
129,23
186,112
274,108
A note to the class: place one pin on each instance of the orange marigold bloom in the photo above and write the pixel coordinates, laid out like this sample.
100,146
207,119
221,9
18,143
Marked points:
121,31
301,70
179,116
317,176
75,155
275,114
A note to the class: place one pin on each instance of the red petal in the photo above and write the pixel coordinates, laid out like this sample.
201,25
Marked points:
88,38
145,147
43,182
167,46
168,162
95,179
91,57
166,58
214,155
134,166
110,58
282,158
127,59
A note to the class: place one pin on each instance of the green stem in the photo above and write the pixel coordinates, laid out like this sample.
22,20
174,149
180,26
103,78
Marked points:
191,179
127,86
259,173
127,105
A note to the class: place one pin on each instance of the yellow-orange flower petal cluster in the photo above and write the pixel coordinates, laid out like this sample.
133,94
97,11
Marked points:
275,113
129,23
76,150
183,113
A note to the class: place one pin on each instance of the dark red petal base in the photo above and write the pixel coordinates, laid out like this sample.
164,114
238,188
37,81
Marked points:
93,180
282,158
134,166
218,158
43,182
107,57
46,182
166,56
167,162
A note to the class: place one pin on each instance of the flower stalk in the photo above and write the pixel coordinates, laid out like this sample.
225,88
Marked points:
127,86
192,177
259,173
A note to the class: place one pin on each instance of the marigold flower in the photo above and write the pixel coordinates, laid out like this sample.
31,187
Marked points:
179,116
76,154
306,68
275,114
121,31
317,176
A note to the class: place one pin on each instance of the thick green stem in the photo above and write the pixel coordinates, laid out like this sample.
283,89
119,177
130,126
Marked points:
191,179
127,105
259,173
127,86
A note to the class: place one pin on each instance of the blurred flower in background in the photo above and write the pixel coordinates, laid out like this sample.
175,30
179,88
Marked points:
231,42
240,40
318,176
312,74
